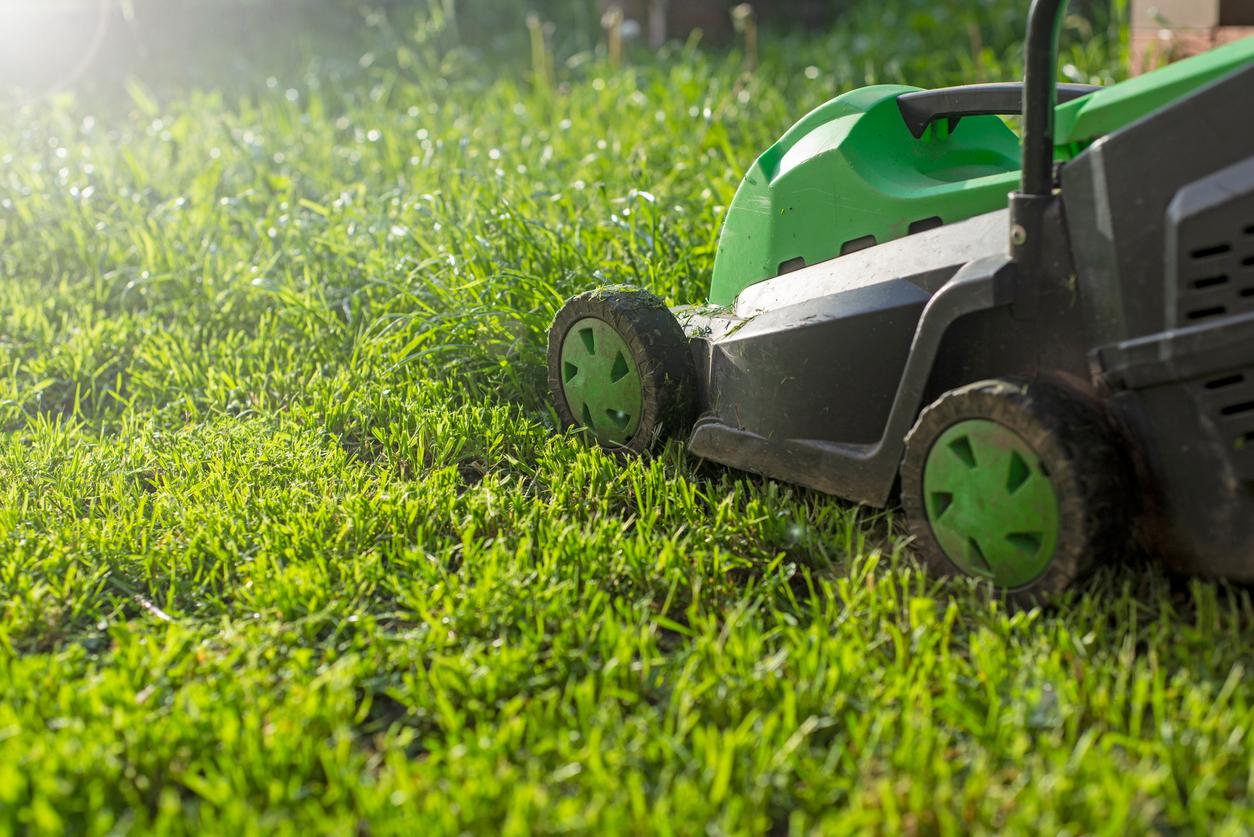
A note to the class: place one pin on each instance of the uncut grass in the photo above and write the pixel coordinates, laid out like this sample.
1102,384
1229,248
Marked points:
289,542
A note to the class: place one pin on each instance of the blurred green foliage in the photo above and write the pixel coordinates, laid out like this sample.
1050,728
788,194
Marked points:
205,41
576,23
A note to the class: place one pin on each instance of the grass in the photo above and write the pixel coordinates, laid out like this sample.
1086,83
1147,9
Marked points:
288,543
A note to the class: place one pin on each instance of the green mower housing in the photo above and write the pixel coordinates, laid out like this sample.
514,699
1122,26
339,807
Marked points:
1042,347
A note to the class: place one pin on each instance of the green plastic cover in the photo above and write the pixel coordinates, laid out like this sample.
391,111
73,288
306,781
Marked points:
850,174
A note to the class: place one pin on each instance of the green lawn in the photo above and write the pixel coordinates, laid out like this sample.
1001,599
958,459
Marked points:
288,542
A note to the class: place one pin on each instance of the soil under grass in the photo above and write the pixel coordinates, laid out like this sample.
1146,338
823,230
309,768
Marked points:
288,543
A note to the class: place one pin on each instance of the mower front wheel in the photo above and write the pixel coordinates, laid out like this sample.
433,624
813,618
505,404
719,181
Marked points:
620,367
1018,484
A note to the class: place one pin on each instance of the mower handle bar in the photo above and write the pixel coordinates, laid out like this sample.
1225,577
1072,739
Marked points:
1039,92
923,107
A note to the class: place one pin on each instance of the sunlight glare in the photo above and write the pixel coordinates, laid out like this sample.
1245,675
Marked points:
50,43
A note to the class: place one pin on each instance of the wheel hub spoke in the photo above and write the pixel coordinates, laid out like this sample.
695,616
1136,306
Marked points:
991,505
600,380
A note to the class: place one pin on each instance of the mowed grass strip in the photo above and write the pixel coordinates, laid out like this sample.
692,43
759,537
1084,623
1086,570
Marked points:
288,541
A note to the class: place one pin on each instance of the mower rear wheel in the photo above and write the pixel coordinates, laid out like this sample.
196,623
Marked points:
1018,484
620,367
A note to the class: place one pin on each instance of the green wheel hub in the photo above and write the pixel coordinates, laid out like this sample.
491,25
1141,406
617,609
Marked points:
991,503
600,380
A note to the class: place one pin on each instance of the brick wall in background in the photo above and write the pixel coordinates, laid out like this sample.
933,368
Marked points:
1168,30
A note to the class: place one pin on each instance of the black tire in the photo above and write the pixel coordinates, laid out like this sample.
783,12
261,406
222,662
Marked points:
1077,453
659,350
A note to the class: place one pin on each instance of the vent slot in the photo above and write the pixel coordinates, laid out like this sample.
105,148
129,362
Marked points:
925,224
1225,381
1203,313
1215,267
853,245
1237,409
1208,252
791,265
1210,282
1225,401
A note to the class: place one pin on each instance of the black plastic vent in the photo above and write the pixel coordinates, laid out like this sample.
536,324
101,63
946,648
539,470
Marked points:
855,244
1228,402
1216,273
1211,251
1207,313
791,265
925,224
1225,382
1237,409
1210,282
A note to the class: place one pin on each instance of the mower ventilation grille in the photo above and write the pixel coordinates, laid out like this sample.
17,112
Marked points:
1217,278
1228,400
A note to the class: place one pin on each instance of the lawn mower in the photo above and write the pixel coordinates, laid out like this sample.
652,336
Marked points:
1044,347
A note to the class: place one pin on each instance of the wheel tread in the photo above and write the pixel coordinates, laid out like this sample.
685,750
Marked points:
658,346
1074,438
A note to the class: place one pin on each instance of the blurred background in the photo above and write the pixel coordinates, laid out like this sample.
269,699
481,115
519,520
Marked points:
52,44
